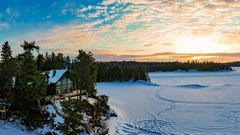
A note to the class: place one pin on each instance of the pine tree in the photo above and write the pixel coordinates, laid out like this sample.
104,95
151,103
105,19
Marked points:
86,73
48,62
53,61
60,61
6,54
7,72
40,62
29,46
31,88
73,111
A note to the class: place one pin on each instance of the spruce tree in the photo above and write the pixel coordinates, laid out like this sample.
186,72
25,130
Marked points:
29,46
7,72
86,72
60,61
40,62
31,87
6,54
53,61
48,62
74,111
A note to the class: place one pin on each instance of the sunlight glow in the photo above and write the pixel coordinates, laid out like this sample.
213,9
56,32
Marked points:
202,57
197,45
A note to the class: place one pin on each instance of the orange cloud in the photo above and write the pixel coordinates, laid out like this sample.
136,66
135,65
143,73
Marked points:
148,45
170,56
147,27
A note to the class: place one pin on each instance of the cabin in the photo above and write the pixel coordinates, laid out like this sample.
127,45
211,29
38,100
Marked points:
59,82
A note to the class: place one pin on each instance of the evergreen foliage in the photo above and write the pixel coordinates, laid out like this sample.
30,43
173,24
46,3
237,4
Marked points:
131,70
40,62
30,89
185,66
120,71
233,64
73,110
8,70
85,72
54,61
29,46
6,53
22,83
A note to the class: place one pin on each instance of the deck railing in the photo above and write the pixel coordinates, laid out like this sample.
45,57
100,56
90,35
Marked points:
4,106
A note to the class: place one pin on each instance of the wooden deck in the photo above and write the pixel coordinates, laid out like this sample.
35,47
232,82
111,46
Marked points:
63,96
3,109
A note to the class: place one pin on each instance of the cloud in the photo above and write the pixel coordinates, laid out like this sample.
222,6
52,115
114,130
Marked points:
192,17
64,11
126,28
11,12
4,26
68,38
169,56
147,45
230,38
161,22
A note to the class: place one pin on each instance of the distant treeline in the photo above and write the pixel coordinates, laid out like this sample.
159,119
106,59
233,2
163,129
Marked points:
121,71
185,66
233,64
131,70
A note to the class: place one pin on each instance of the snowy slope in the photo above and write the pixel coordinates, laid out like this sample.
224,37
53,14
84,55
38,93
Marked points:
11,129
8,128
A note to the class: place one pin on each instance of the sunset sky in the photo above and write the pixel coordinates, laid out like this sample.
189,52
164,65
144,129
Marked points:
142,30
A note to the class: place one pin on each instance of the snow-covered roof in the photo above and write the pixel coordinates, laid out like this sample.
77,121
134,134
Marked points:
55,75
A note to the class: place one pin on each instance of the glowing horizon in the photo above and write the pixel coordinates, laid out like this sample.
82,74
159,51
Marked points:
142,30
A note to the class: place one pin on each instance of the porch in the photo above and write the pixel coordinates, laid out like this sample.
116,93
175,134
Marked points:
4,106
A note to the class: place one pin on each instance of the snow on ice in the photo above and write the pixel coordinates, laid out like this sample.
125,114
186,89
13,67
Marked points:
181,103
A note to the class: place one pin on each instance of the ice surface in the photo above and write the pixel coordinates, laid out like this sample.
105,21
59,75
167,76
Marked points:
178,103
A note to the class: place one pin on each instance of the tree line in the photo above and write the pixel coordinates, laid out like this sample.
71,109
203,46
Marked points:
132,70
121,71
184,66
233,64
126,70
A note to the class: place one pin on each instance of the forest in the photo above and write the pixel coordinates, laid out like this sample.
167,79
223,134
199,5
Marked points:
23,91
126,70
233,64
133,71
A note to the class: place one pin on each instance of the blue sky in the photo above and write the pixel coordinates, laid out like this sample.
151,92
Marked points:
144,30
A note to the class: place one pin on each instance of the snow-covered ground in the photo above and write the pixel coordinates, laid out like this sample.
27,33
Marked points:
7,128
177,103
10,128
174,103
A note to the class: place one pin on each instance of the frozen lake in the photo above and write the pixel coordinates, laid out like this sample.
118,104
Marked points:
176,103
